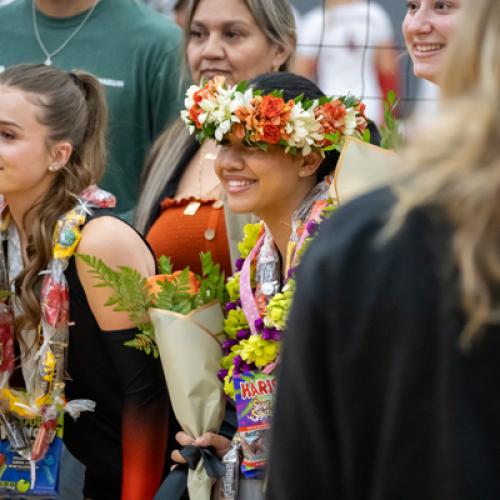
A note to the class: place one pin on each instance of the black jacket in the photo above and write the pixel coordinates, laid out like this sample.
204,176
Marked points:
376,399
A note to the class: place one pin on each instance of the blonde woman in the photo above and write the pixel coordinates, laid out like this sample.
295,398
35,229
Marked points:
390,376
428,28
52,137
180,208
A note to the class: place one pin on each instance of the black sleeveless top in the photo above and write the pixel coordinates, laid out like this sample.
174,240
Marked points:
102,369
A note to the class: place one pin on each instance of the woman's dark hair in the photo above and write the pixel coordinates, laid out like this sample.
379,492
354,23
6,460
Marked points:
293,86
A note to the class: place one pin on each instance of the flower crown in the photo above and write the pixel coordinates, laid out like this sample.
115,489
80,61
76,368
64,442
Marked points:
217,109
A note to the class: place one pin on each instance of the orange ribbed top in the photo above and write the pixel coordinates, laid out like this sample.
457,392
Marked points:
182,237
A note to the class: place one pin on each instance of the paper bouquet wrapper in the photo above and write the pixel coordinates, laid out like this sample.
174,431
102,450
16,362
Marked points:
190,352
362,167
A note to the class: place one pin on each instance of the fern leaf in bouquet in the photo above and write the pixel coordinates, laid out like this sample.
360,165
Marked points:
179,291
131,294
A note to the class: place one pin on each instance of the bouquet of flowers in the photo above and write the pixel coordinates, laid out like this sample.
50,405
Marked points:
179,316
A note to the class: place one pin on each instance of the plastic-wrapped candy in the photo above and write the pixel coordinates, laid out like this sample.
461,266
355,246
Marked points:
16,434
98,197
6,343
44,438
55,302
254,396
229,484
67,234
32,419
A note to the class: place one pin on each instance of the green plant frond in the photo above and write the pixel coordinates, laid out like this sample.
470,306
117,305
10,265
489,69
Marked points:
165,265
390,132
144,343
104,274
130,291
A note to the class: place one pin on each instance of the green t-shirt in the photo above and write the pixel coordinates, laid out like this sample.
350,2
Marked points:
136,55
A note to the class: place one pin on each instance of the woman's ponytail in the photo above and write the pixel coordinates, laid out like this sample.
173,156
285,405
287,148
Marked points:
92,150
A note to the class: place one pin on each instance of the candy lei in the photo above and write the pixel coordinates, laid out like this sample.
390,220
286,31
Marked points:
43,399
254,337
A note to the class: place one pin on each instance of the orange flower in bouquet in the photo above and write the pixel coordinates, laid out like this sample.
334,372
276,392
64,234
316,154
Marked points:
154,282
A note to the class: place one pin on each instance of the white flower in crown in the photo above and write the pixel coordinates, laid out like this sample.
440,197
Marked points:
189,101
303,129
350,121
242,100
187,120
218,111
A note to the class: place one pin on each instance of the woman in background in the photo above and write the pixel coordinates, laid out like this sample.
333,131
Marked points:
180,208
428,28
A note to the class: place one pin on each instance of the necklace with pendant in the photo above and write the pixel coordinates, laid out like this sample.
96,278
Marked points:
50,55
193,206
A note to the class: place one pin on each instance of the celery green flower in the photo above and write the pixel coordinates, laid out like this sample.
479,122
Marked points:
279,307
251,235
228,383
234,322
233,287
259,351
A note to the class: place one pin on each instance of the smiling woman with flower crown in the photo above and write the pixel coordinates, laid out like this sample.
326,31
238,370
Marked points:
280,137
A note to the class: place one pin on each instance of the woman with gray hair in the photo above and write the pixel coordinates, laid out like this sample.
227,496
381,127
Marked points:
180,208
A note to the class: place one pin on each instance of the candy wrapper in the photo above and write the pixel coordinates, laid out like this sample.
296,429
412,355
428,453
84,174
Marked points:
6,343
190,351
254,393
229,483
15,471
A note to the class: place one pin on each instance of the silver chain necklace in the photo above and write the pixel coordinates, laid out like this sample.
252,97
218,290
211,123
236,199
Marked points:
50,55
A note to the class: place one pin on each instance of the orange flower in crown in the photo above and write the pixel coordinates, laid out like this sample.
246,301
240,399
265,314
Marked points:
217,109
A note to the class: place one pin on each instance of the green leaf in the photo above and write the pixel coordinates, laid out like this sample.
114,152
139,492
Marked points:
324,99
277,93
391,97
242,86
165,265
350,101
333,138
130,292
367,135
307,104
390,131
